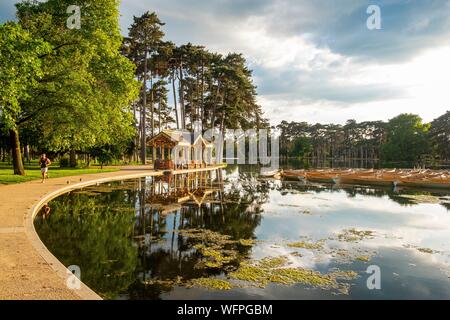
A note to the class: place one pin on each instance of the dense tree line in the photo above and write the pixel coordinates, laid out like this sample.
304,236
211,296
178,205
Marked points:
91,91
62,89
94,93
207,88
404,138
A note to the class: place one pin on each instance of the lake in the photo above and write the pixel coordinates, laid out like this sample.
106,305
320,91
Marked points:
235,236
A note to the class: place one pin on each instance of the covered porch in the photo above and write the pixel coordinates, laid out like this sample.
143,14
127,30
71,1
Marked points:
172,150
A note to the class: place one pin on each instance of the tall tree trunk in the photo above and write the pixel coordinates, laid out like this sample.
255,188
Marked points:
197,97
73,159
202,102
222,132
191,101
136,138
152,110
26,153
152,114
175,99
216,101
144,114
182,107
16,154
159,115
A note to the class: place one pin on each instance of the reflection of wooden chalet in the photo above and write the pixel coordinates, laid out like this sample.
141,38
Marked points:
168,203
181,150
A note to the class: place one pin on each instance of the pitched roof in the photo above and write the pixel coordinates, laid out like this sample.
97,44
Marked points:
180,137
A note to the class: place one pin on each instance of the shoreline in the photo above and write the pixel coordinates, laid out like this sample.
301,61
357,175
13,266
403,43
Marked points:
28,270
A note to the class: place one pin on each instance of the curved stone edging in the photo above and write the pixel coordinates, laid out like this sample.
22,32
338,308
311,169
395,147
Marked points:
85,292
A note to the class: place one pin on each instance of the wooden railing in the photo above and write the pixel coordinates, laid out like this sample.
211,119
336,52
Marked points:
170,165
164,165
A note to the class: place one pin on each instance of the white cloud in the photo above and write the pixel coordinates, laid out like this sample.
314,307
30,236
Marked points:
301,67
315,60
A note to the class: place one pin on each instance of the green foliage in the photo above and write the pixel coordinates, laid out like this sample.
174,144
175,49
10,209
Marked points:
106,154
89,84
440,136
100,244
64,162
353,140
71,89
406,138
302,147
208,87
21,69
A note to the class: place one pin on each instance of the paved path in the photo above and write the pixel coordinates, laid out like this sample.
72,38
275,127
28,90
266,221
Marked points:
27,269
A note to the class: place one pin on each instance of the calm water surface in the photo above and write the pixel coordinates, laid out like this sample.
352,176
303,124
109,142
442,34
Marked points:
137,240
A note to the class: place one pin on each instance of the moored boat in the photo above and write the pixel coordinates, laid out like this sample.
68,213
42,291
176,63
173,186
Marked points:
269,173
384,178
425,183
293,175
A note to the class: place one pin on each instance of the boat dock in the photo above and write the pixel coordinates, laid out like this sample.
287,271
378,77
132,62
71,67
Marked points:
434,179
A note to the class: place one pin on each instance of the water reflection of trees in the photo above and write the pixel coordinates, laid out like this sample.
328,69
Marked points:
93,232
168,256
130,246
123,242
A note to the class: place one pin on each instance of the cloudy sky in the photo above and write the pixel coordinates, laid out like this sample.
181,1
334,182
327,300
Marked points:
316,60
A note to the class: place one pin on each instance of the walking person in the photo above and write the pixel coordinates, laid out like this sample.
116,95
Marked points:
44,162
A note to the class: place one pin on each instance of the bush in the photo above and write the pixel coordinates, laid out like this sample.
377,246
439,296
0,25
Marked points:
64,162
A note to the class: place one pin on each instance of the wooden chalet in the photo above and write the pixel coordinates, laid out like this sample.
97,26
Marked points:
176,150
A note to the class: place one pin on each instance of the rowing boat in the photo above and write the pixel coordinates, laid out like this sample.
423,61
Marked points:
269,173
384,178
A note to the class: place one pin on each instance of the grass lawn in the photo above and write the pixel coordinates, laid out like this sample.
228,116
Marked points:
33,172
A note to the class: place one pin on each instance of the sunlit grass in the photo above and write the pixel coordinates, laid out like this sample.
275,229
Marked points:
33,172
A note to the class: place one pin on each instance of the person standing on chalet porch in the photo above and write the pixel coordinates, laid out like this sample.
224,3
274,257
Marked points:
44,162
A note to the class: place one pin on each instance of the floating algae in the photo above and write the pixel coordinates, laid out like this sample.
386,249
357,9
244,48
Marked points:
363,258
426,250
274,270
256,275
271,262
303,276
221,252
218,250
216,256
423,250
354,235
212,283
307,245
352,254
344,275
208,236
342,253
